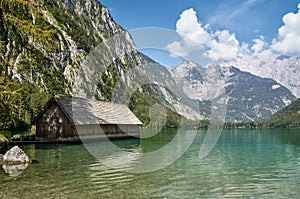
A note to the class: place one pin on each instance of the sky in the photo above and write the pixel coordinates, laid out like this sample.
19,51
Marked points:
212,30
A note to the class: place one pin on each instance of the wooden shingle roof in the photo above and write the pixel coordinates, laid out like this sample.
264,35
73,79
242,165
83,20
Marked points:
82,111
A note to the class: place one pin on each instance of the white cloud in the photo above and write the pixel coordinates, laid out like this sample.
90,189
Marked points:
179,49
188,26
288,40
220,45
223,46
244,50
259,45
193,34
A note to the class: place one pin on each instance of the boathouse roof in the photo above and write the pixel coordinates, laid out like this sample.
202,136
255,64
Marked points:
83,111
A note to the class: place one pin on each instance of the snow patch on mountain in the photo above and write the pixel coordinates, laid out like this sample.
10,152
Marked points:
275,86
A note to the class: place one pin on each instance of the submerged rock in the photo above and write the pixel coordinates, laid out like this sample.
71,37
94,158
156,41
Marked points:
15,156
14,170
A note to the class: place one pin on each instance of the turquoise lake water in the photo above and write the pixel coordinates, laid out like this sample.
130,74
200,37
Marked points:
243,164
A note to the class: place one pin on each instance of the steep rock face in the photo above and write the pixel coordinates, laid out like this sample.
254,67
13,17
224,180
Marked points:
74,47
165,88
248,97
283,69
46,42
254,98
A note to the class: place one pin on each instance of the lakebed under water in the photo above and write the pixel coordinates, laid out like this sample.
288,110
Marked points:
243,164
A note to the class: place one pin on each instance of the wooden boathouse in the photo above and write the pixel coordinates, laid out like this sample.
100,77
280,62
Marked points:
67,118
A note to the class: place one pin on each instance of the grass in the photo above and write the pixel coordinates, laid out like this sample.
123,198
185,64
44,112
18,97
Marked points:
3,137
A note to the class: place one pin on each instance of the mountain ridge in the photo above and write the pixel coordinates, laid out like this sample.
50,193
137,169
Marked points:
75,47
283,69
249,97
44,45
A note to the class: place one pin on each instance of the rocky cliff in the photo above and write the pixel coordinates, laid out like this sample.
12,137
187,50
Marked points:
46,42
248,97
47,48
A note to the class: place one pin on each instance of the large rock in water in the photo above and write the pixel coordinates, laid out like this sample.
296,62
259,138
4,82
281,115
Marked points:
16,156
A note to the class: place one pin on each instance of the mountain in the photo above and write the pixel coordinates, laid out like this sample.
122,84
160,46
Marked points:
249,97
75,47
158,82
283,69
286,117
46,42
49,47
254,98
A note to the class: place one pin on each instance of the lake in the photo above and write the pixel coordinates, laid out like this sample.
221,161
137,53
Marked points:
243,164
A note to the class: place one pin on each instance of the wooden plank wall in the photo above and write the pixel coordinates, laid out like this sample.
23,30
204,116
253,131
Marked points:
53,124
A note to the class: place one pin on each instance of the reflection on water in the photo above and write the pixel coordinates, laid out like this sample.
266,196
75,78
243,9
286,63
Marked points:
243,164
14,170
152,153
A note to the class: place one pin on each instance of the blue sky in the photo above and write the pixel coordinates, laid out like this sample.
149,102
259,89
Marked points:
246,20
